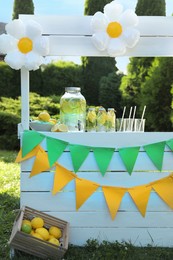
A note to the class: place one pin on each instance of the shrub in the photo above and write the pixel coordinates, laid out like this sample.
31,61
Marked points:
8,131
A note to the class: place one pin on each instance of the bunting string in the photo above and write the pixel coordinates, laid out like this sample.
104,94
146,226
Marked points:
85,188
103,155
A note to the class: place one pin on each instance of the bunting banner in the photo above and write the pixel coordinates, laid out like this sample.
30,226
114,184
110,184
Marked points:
103,155
78,155
30,140
156,152
55,148
85,188
129,156
170,144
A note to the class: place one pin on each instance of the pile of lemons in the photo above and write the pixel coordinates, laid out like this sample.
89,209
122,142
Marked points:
36,228
44,117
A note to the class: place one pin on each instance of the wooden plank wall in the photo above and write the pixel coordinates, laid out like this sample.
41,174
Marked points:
93,220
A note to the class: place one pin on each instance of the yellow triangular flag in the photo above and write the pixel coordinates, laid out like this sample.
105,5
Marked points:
19,157
113,197
164,189
62,177
41,163
140,196
84,189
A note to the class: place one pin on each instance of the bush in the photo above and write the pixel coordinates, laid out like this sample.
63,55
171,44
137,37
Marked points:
59,75
8,131
10,116
109,93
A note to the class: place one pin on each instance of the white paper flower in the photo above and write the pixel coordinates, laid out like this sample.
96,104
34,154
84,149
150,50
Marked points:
24,45
114,29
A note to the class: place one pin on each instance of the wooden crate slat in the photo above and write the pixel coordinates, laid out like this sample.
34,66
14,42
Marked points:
143,163
44,181
114,139
122,220
66,201
137,236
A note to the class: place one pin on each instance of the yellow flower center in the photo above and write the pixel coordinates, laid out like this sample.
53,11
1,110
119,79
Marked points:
114,29
25,45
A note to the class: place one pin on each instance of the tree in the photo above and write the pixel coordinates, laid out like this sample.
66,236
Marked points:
156,95
109,94
138,68
22,7
58,75
95,67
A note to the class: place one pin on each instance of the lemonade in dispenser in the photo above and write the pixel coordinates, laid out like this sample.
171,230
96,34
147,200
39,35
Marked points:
73,109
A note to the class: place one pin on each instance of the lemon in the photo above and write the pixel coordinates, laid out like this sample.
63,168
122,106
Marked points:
59,128
26,228
37,235
92,116
102,119
52,121
26,221
37,222
43,232
55,231
51,236
32,232
44,116
54,241
65,106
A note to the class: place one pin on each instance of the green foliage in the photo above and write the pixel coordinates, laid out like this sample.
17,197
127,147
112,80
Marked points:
109,93
139,69
91,7
8,131
22,7
156,95
95,67
39,104
9,81
59,75
148,7
11,111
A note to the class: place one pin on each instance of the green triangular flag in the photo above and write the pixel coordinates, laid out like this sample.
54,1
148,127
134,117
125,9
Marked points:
55,148
155,152
170,144
78,155
103,157
30,140
129,156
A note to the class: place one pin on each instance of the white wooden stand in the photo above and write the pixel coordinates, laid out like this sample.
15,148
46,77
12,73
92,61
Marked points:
72,36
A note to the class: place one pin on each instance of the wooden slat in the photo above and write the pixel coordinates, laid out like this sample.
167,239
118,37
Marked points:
44,181
122,220
143,163
136,236
65,201
115,139
83,46
80,25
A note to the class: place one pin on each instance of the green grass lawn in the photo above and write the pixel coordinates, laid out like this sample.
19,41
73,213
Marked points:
9,205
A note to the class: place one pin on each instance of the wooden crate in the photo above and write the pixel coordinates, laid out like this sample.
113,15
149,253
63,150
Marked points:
34,246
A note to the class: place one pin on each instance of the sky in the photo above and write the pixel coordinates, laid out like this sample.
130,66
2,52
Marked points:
69,7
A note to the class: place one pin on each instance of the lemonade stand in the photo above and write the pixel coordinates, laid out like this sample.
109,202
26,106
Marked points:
107,185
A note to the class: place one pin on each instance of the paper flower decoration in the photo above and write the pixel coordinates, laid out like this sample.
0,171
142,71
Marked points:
114,29
24,45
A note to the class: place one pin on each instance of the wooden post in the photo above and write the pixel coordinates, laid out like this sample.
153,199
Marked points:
25,98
